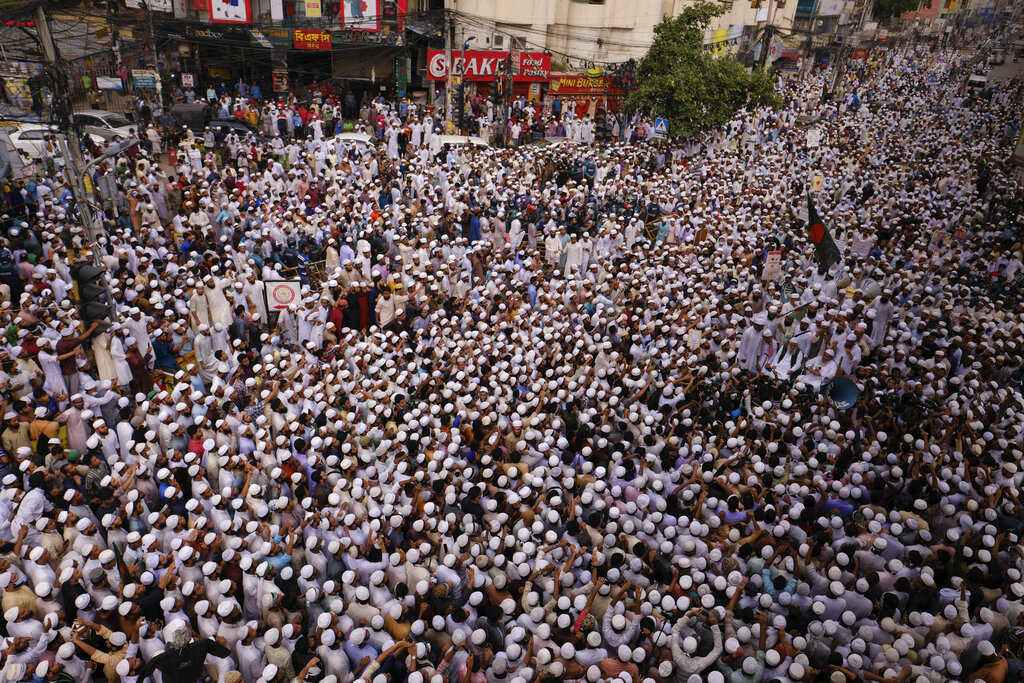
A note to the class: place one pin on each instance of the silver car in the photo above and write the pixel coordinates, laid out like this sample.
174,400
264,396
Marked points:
105,124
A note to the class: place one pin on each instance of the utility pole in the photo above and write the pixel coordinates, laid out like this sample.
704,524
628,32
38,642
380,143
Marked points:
156,59
115,35
71,147
766,41
461,120
808,44
766,44
61,105
508,89
449,30
845,52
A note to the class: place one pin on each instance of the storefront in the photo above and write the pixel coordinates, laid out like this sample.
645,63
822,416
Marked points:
486,70
278,58
583,94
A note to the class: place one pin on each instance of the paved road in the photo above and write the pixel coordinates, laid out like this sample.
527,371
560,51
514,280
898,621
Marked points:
1007,70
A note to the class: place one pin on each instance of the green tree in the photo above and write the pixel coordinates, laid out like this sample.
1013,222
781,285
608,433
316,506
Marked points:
693,89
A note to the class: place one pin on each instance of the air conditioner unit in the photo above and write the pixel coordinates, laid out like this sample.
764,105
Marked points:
499,41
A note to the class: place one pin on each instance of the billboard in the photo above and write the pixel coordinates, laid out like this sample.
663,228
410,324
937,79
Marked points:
361,15
230,11
484,65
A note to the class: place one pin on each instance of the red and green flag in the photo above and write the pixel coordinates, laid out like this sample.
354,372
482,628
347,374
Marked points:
825,249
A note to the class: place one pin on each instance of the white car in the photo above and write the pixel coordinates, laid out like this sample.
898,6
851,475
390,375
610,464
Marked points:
105,124
28,140
360,140
976,83
462,141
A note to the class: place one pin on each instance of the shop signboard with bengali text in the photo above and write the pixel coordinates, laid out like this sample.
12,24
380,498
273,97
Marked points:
311,40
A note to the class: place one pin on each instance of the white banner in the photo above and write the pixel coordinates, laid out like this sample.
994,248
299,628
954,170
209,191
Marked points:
772,266
813,137
862,247
280,294
154,5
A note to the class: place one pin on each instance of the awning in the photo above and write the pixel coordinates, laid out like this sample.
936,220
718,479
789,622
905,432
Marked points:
420,29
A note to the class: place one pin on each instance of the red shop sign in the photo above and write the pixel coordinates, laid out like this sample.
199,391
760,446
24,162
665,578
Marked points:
485,65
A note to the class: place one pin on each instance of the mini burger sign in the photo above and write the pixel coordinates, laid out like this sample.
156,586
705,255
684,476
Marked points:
481,65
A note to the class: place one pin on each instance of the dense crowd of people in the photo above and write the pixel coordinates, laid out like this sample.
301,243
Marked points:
533,414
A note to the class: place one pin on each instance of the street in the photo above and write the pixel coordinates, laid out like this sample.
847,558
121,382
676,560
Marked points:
1002,72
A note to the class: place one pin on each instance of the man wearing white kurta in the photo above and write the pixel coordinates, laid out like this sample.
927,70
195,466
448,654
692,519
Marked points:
573,256
552,248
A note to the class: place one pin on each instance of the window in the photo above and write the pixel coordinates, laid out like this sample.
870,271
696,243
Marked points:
115,121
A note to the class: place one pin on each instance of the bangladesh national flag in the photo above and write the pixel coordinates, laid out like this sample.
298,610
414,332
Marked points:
824,246
799,312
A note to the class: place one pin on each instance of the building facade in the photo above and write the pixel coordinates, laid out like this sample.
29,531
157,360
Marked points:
606,31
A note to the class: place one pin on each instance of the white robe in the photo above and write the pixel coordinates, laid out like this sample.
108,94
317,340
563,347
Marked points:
516,234
787,363
220,309
573,257
750,344
124,371
553,249
205,357
883,314
826,371
104,361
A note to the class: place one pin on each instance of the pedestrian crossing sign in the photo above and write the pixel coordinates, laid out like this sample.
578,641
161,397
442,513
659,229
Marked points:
661,126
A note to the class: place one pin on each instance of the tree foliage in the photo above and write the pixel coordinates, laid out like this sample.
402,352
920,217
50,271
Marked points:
679,80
